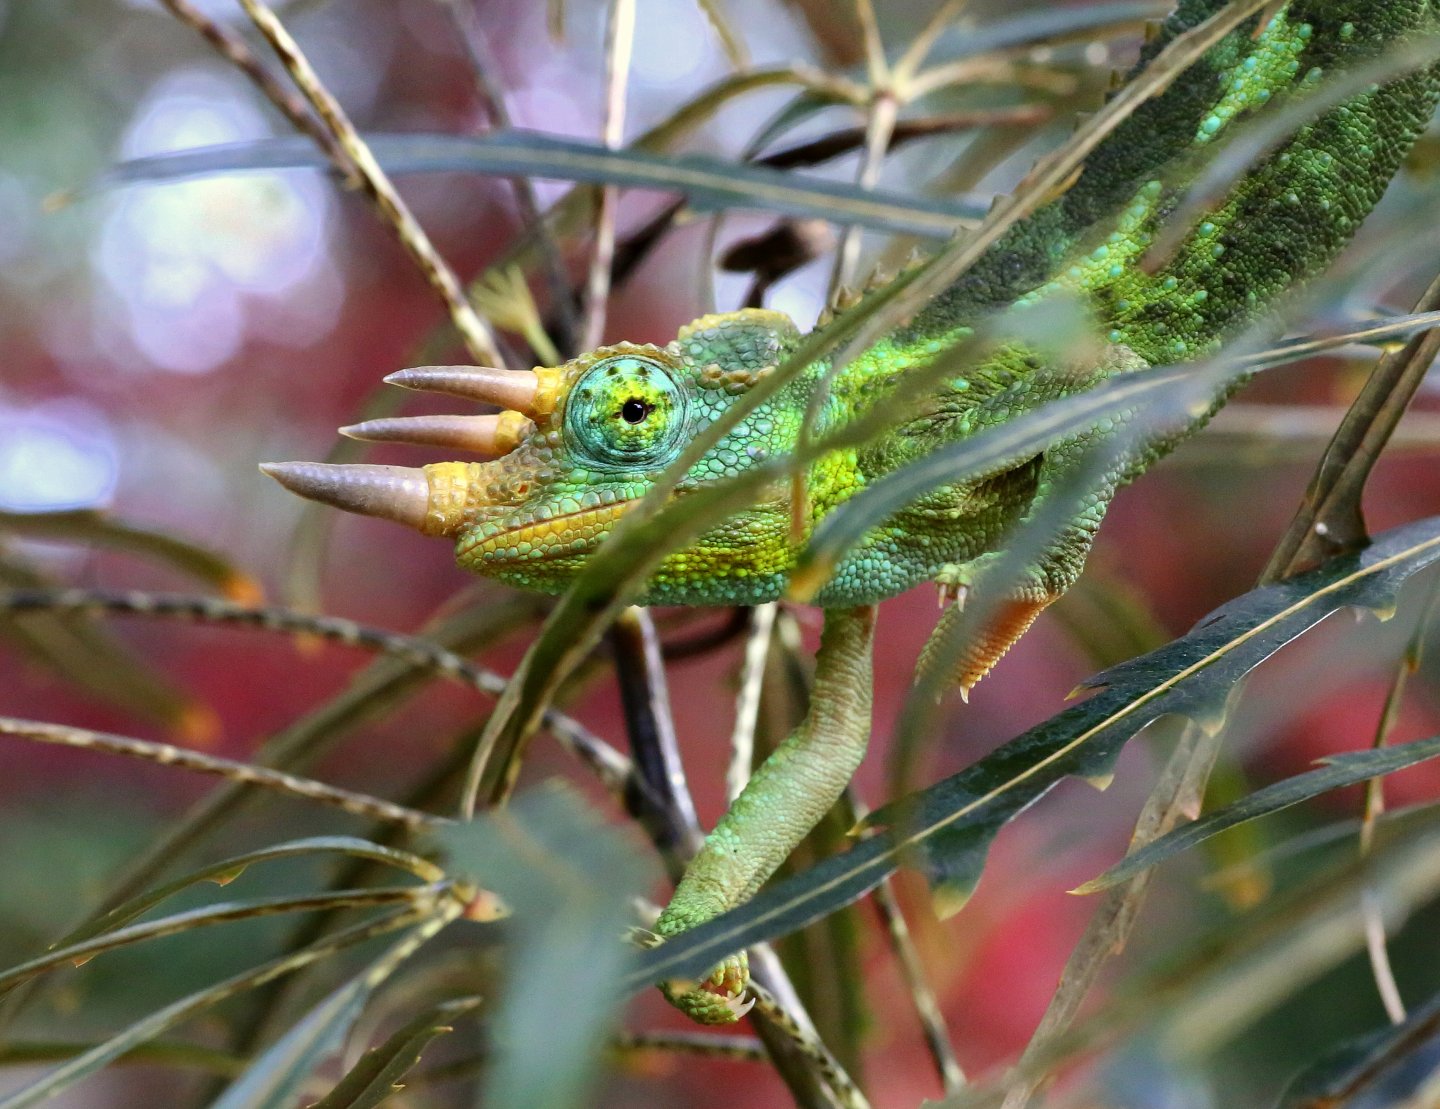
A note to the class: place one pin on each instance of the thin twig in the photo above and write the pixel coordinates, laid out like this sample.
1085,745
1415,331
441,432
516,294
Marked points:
464,14
705,1044
619,47
1329,521
845,1090
884,109
1370,908
920,46
475,333
612,767
922,997
237,52
357,804
661,798
747,701
1177,794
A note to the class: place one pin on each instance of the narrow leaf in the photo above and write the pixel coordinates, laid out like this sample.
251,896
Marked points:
569,879
223,913
91,1060
947,828
280,1074
1389,1067
378,1073
709,183
103,530
1338,772
227,870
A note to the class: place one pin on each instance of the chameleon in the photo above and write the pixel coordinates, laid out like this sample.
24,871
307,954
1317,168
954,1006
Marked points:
575,446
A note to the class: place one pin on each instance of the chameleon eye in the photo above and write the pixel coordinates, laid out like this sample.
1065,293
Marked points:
634,411
625,411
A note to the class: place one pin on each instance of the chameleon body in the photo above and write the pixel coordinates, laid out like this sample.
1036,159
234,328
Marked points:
581,442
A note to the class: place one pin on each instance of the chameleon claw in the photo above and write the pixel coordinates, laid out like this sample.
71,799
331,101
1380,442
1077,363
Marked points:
492,436
950,593
719,998
951,586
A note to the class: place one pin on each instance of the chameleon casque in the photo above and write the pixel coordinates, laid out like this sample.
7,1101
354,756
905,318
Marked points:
576,444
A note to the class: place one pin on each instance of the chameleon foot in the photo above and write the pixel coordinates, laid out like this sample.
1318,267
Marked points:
719,998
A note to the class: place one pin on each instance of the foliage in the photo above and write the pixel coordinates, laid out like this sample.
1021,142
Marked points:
381,947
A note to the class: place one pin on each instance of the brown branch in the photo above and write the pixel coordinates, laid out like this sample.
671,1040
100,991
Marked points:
475,333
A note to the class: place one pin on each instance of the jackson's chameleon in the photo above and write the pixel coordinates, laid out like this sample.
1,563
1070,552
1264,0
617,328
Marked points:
577,444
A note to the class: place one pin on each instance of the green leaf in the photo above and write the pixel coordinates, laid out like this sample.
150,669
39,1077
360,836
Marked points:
569,879
377,1075
226,870
1338,771
947,829
1392,1066
280,1074
709,183
91,1060
223,913
1046,26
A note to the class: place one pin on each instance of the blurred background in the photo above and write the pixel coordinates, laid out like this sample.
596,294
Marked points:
159,340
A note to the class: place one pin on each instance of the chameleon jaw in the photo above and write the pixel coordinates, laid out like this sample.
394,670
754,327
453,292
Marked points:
514,542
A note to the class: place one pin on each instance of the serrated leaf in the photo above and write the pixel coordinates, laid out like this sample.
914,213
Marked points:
947,828
377,1075
709,183
570,879
1338,772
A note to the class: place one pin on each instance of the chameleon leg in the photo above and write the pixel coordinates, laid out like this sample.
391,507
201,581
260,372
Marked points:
1010,620
1046,580
783,801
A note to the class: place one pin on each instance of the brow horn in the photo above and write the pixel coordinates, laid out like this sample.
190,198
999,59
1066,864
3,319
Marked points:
396,493
491,436
532,392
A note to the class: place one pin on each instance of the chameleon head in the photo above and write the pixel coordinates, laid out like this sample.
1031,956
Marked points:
573,448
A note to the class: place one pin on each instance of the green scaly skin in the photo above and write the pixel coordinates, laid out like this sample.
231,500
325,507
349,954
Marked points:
624,413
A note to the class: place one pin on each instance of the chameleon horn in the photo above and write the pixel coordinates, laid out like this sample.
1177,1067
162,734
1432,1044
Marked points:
488,435
532,392
390,492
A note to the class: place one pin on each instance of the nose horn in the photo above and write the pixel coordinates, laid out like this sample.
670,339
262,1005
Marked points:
396,493
491,436
529,391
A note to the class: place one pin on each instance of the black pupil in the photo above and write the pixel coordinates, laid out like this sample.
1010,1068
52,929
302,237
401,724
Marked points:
634,411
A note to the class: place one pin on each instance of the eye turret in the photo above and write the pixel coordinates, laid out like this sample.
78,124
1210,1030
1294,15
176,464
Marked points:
625,412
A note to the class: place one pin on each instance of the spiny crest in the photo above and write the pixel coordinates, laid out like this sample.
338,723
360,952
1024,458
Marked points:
846,297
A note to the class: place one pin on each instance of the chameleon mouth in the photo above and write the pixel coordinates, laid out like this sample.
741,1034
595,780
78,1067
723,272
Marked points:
563,535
